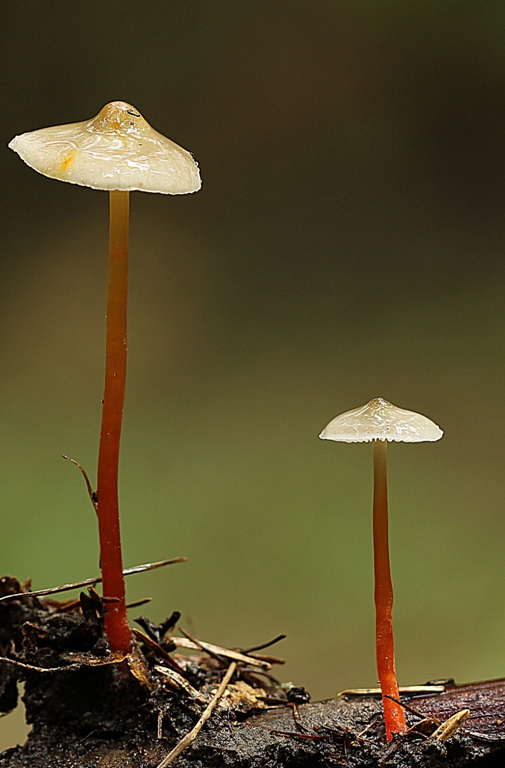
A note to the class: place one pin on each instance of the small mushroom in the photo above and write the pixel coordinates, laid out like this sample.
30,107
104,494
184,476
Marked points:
117,151
380,422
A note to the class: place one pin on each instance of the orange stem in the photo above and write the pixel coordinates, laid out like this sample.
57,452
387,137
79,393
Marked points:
116,621
394,716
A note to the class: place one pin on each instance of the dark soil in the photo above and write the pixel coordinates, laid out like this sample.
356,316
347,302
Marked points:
88,707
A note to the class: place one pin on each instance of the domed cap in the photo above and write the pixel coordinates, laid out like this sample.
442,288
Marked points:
380,420
116,150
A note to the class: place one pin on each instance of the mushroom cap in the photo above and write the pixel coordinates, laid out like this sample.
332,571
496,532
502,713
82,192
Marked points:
380,420
116,150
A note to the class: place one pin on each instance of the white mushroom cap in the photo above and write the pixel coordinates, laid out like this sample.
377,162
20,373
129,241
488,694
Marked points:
380,420
116,150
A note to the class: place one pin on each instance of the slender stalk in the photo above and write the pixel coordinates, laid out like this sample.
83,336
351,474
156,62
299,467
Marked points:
394,716
116,622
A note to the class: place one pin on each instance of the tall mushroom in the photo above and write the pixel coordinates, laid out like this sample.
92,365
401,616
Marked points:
380,422
117,151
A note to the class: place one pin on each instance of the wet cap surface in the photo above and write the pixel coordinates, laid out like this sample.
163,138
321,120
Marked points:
380,420
116,150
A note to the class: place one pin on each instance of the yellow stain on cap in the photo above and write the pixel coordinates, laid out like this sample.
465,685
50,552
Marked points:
67,160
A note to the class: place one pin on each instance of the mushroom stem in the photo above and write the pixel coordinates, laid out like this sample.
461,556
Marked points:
394,716
116,622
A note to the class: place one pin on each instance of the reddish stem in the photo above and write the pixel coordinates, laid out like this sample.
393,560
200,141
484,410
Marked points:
394,716
116,621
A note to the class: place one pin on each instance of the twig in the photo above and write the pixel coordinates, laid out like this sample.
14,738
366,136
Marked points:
247,672
137,603
269,659
182,642
69,668
191,736
169,624
408,689
179,682
408,707
158,650
264,645
450,726
90,582
209,649
91,493
153,566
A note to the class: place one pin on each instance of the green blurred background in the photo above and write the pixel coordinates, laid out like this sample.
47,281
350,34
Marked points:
347,243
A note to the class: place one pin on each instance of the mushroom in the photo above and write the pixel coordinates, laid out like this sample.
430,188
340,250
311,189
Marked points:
380,422
117,151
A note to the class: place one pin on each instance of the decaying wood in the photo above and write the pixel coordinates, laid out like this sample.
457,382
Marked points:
89,708
334,733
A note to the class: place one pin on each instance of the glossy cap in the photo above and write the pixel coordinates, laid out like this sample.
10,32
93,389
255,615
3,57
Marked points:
380,420
117,149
